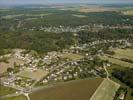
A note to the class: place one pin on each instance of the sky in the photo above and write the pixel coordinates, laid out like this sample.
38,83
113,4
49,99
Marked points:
19,2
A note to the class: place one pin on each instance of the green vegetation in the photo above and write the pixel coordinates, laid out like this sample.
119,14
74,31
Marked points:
6,90
124,76
21,97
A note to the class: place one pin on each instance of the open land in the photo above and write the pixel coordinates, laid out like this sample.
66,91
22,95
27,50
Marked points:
75,90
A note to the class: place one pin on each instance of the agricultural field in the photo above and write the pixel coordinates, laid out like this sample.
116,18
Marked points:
96,9
118,55
80,16
72,56
117,61
6,90
21,97
74,90
128,11
35,75
106,91
123,53
12,16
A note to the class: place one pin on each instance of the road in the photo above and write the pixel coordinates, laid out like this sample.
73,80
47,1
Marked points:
107,73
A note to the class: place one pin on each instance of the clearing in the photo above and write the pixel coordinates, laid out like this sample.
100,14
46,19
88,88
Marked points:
11,61
32,74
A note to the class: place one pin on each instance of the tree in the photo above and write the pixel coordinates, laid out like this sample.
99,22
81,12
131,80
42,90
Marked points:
9,69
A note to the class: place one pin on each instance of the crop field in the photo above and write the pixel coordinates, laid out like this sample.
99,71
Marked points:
21,97
124,53
72,56
26,15
106,90
96,9
11,61
117,62
35,75
80,16
6,90
12,16
74,90
128,13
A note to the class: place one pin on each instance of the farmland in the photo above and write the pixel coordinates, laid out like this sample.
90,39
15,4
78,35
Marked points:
106,90
21,97
6,90
121,57
117,61
69,91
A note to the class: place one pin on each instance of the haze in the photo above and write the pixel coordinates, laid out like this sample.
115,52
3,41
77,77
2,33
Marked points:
21,2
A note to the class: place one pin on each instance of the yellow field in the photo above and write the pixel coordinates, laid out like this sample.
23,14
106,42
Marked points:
106,90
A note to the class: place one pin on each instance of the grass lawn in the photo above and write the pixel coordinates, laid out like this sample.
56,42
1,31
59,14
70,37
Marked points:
35,75
73,90
106,90
6,90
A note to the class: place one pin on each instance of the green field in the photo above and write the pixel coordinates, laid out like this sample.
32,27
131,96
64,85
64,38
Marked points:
35,75
123,53
80,16
6,90
21,97
117,62
106,90
74,90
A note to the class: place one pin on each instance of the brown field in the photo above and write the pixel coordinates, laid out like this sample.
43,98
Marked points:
35,75
11,61
95,9
128,13
74,90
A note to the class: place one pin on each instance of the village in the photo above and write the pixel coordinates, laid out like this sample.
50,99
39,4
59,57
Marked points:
24,69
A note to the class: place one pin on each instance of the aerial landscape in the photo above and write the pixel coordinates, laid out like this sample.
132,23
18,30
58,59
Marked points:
66,50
